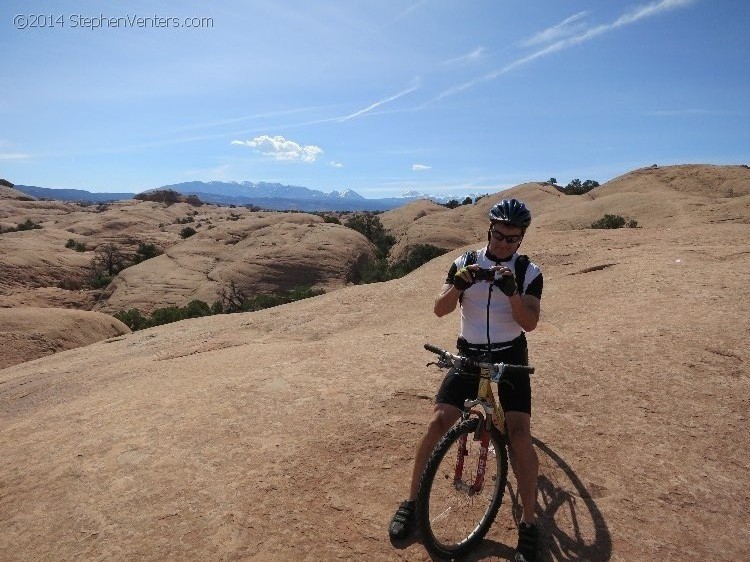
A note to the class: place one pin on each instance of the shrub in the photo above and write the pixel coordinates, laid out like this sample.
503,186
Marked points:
107,262
197,308
28,224
187,232
370,226
99,281
379,270
609,221
133,319
77,246
331,219
145,252
576,187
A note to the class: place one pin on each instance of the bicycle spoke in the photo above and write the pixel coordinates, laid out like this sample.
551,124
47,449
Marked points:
458,515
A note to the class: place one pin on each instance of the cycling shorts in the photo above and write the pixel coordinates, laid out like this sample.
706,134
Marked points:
457,387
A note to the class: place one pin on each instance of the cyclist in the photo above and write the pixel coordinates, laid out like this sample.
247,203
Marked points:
492,320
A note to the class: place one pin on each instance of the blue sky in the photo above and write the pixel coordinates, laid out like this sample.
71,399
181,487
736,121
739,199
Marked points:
382,97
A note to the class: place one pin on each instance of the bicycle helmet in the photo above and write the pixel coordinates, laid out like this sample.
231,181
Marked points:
511,212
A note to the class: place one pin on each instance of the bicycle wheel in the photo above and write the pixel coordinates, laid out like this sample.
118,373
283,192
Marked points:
452,516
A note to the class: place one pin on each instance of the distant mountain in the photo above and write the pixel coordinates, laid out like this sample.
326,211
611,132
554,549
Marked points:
71,194
271,196
260,190
411,195
276,196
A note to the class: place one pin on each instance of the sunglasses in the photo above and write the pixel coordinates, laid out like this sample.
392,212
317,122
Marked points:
510,239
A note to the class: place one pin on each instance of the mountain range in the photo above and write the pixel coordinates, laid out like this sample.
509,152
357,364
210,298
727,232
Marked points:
272,196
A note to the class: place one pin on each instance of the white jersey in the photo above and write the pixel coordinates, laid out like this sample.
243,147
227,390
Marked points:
484,306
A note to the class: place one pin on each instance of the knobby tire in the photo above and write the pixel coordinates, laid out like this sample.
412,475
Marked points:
452,520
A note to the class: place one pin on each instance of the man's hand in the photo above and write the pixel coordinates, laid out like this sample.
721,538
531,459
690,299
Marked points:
463,279
507,281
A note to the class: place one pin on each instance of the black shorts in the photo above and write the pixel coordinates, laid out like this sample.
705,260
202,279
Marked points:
457,388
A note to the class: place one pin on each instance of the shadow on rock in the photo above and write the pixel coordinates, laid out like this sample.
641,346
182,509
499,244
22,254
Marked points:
572,526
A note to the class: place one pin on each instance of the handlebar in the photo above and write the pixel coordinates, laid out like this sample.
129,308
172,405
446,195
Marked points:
458,361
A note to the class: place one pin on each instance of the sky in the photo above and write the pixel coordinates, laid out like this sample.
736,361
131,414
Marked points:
379,96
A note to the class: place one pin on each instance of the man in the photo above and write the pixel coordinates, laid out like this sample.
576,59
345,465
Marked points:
491,320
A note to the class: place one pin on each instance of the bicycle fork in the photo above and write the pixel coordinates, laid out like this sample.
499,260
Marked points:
484,443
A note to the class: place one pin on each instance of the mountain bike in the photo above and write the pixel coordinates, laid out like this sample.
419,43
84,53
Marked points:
464,480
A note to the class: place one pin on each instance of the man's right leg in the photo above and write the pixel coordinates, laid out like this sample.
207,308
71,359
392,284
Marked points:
443,417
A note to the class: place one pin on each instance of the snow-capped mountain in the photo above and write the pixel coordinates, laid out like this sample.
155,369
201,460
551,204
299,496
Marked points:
440,198
260,189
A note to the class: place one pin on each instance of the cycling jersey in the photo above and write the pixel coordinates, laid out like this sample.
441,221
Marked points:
485,310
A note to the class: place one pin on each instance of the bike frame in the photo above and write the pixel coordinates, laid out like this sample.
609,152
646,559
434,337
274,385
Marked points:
493,414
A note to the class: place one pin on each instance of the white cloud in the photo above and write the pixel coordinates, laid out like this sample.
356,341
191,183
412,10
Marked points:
14,156
378,103
282,149
649,10
420,167
337,164
468,58
563,29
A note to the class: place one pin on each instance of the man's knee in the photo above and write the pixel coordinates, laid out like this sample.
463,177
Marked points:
442,419
519,430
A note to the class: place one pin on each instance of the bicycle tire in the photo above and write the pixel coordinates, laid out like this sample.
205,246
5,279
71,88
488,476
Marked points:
452,520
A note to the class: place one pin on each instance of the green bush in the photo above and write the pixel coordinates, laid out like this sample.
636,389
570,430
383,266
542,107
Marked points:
197,309
28,224
77,246
331,219
133,319
187,232
576,187
379,270
259,302
610,221
145,252
370,227
101,281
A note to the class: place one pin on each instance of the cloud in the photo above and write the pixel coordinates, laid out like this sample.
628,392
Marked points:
14,156
565,28
420,167
282,149
468,58
409,10
649,10
378,103
336,164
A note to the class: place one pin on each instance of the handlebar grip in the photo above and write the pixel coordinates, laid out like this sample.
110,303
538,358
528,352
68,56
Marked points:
434,348
518,369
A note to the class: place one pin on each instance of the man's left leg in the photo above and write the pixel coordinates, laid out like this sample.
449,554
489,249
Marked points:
526,469
525,462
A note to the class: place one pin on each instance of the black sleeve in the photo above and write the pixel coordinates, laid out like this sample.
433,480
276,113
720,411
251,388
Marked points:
535,287
451,274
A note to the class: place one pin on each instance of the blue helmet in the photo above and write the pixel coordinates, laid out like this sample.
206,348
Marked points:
511,212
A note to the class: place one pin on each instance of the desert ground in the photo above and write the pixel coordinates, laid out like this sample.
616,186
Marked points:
288,433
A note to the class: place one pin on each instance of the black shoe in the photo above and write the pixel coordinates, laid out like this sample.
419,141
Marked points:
402,520
528,537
